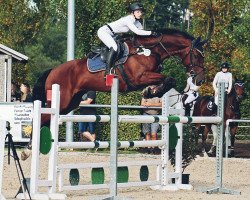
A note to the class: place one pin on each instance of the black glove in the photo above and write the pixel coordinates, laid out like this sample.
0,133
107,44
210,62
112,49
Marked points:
155,34
182,92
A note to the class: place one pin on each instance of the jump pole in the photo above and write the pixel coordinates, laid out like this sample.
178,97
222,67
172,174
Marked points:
114,138
218,188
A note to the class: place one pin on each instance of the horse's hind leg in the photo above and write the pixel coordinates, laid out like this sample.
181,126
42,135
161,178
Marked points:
196,132
204,137
233,132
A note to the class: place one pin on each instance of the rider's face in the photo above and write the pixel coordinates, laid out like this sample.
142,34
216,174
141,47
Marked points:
138,14
224,69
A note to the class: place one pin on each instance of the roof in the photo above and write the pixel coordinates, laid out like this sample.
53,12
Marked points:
13,53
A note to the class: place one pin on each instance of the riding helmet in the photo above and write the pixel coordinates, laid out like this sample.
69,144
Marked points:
225,65
135,6
192,73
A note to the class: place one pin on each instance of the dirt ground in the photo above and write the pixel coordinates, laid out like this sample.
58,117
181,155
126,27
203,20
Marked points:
236,175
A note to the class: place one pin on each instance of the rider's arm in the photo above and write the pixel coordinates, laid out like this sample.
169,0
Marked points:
215,83
150,102
87,101
192,85
230,82
187,86
132,27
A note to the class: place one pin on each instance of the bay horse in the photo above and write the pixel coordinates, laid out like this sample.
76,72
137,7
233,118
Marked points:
231,108
137,72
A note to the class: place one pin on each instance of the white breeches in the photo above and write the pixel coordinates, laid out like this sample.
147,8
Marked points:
215,134
105,35
216,99
191,98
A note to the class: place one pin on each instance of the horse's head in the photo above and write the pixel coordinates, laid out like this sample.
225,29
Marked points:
172,42
194,60
239,89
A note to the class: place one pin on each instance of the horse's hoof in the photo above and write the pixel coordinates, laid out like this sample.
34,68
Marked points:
230,153
25,154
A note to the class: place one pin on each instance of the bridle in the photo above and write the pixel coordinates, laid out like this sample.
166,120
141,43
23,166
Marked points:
240,84
190,51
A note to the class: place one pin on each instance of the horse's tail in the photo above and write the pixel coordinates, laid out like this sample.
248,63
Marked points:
39,88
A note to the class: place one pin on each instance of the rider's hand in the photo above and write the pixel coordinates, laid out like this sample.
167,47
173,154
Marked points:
155,34
182,92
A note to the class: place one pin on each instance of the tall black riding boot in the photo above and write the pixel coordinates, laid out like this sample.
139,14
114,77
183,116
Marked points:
110,60
214,109
187,110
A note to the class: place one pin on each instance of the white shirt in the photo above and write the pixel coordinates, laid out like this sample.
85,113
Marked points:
191,87
126,24
226,77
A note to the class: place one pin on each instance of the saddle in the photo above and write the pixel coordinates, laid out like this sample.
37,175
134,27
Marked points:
102,51
97,57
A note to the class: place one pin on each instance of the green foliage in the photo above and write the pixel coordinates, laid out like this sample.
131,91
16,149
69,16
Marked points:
229,41
49,52
91,15
168,14
126,131
173,67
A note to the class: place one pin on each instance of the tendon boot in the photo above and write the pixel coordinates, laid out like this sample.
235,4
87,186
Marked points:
212,151
110,60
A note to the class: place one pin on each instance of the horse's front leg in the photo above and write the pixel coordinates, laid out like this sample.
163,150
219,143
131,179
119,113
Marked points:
231,148
159,90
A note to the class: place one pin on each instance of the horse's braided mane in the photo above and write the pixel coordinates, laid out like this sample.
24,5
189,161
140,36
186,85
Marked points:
172,31
162,31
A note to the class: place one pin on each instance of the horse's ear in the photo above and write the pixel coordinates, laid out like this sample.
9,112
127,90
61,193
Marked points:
236,79
203,42
244,78
196,41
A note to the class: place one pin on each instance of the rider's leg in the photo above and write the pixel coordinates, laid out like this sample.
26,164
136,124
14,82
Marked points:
110,59
154,129
186,104
215,133
215,104
105,36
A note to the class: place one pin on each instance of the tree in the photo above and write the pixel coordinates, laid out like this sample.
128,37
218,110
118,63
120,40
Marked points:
225,45
21,23
91,15
168,14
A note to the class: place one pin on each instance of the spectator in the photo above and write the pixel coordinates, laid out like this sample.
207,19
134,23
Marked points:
26,95
150,130
87,129
15,93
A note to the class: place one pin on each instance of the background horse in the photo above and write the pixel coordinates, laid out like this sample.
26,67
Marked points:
232,111
138,71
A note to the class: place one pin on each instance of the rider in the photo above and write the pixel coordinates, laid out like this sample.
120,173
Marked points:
226,76
223,75
125,24
191,90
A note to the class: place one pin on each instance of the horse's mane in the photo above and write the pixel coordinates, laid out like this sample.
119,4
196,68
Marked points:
163,32
168,31
171,31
